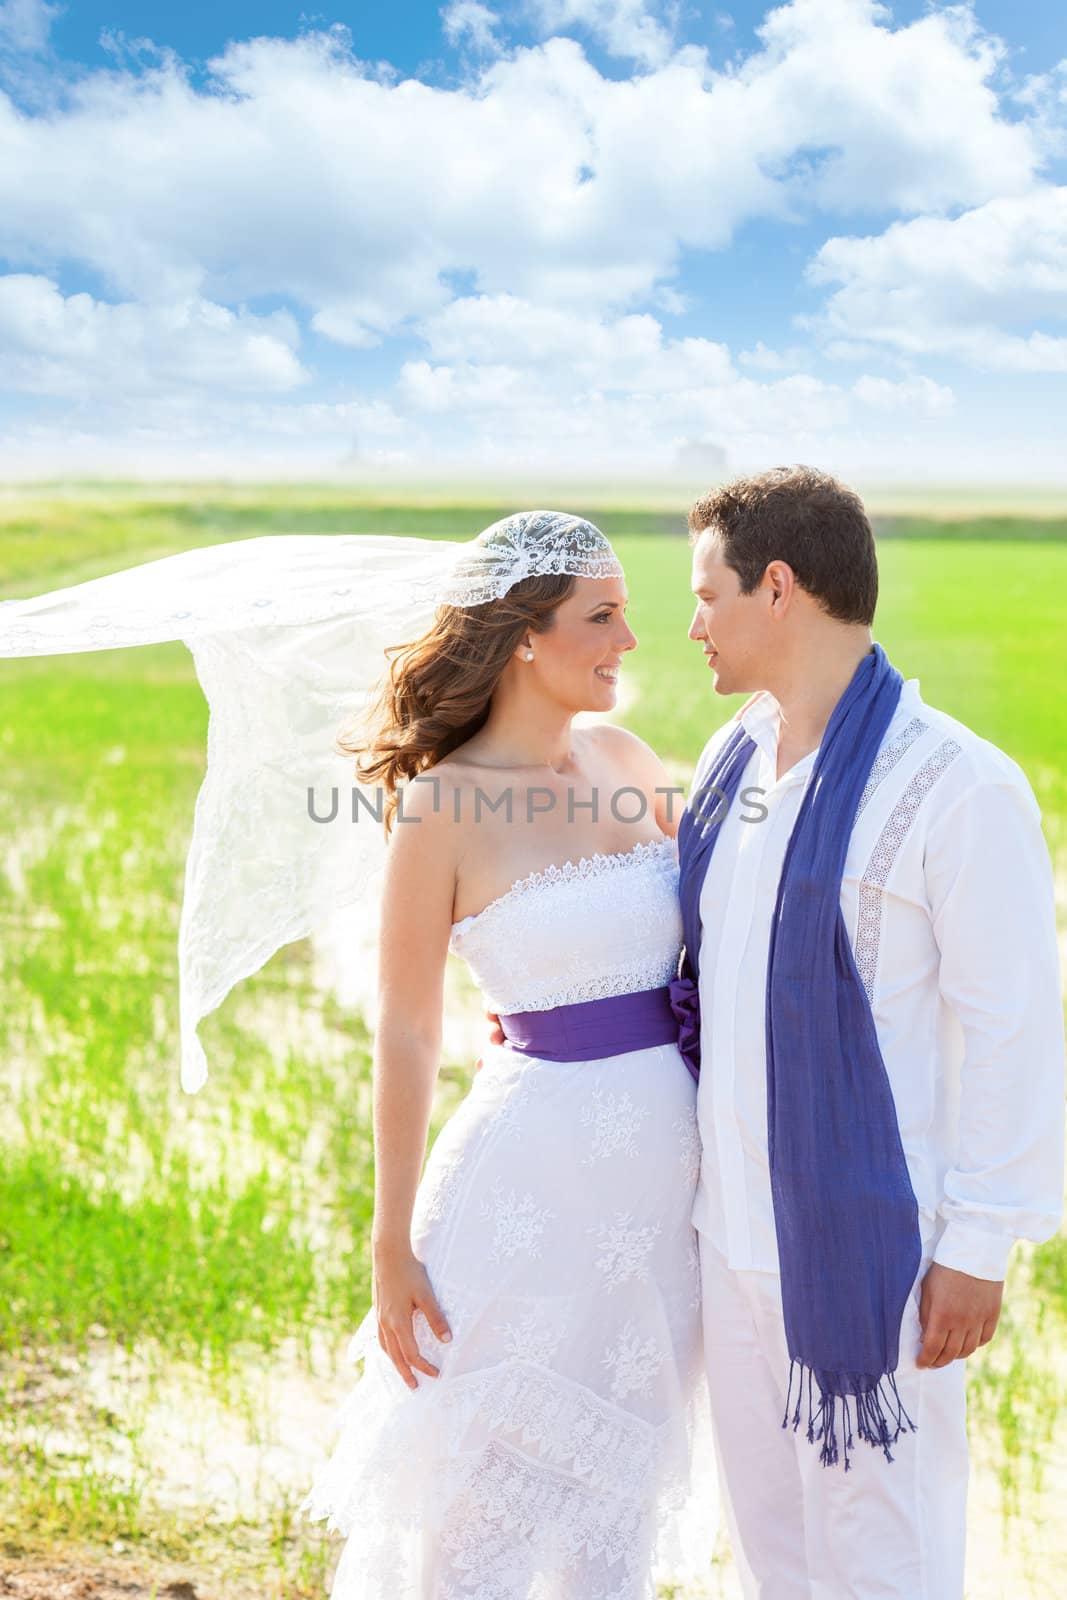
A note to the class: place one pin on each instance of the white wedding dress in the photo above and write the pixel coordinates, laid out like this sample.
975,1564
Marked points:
551,1460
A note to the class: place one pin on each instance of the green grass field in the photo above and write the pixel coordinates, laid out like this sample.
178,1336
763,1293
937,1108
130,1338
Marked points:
208,1239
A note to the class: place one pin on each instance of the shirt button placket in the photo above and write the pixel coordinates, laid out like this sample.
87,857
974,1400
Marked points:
737,922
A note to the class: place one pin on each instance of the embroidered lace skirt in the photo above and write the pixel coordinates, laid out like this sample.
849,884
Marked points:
563,1453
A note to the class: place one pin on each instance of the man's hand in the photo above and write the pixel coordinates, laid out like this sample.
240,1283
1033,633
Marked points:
957,1313
496,1035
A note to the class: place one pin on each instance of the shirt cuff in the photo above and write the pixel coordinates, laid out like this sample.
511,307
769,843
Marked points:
980,1252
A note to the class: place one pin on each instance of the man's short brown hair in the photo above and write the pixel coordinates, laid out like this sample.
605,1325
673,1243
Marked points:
802,517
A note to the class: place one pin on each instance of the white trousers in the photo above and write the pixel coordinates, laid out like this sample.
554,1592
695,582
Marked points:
800,1531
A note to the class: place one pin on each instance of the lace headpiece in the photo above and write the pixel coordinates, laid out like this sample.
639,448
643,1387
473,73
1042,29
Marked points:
529,544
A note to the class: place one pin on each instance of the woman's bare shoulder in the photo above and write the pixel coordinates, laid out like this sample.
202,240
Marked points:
623,746
462,770
635,763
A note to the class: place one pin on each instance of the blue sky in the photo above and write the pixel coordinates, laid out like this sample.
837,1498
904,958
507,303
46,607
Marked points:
409,35
599,239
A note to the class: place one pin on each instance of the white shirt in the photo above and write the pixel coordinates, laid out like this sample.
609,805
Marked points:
948,900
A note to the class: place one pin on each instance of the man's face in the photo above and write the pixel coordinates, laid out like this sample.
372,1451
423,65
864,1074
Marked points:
730,626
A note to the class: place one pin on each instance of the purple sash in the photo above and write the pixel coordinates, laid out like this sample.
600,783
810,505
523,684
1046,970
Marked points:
594,1029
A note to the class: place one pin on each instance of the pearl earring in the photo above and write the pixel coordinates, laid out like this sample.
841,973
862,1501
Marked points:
529,655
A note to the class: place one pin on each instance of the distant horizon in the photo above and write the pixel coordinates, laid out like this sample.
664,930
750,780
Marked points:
945,501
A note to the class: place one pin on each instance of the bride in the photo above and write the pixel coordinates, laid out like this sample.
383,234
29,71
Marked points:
524,1421
531,1403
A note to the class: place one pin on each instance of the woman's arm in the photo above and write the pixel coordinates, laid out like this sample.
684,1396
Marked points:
416,922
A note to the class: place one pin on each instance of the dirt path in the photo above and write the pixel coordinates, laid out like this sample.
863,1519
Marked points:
93,1581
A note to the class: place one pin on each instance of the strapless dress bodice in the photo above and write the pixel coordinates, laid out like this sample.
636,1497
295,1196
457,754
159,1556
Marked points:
603,925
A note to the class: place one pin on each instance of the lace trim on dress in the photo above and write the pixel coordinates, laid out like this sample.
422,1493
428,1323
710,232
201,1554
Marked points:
557,1424
502,1527
516,1478
595,866
622,980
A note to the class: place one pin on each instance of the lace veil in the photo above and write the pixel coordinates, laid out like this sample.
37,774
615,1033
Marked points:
288,634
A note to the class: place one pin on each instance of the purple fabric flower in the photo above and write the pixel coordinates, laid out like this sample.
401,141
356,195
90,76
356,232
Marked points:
685,1003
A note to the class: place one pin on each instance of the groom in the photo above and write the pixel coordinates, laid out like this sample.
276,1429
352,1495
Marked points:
861,1185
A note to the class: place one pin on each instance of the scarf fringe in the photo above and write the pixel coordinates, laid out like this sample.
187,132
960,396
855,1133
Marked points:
876,1415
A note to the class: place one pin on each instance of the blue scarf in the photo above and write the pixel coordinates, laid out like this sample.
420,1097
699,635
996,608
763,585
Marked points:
845,1212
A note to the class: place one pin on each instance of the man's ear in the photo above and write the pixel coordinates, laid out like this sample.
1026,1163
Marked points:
781,581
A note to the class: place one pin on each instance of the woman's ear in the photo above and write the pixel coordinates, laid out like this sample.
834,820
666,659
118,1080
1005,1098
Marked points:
525,648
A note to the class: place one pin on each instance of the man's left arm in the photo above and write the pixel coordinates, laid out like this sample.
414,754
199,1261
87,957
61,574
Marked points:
990,886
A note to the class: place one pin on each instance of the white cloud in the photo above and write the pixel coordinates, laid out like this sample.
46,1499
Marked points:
563,200
1044,99
919,396
487,421
509,418
25,25
80,348
508,387
354,323
765,359
445,391
515,383
618,353
215,435
630,29
866,114
297,172
36,451
977,287
671,300
469,21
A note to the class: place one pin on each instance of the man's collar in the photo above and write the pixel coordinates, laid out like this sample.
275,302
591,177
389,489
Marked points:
759,718
760,715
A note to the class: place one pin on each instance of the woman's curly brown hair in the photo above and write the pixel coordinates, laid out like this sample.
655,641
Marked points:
437,692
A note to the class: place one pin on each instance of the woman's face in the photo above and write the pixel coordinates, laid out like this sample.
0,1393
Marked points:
577,661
